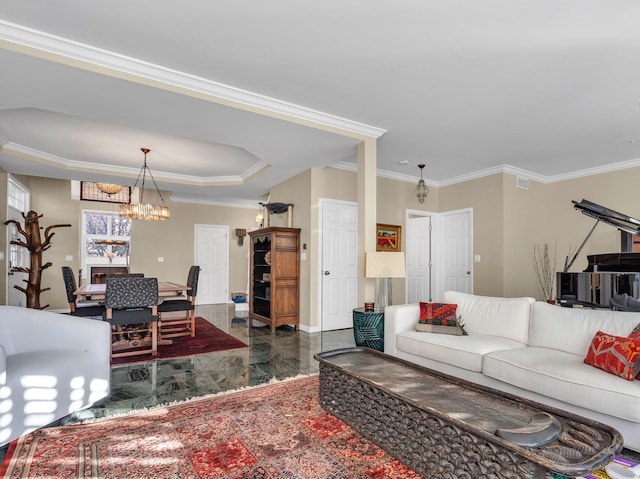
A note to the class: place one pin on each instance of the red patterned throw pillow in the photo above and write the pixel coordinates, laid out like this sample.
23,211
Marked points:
438,313
615,354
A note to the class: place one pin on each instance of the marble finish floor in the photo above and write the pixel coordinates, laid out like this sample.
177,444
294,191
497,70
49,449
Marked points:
284,354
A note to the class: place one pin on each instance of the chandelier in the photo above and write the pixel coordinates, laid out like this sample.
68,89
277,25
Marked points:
421,189
141,210
109,188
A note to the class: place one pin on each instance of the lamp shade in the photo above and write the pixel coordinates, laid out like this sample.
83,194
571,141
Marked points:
382,264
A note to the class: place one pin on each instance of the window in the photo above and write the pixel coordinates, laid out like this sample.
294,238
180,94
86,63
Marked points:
18,196
106,238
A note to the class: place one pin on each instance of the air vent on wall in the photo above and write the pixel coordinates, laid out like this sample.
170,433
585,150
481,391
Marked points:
522,183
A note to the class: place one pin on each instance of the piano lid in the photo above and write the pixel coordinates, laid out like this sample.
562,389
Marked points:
606,215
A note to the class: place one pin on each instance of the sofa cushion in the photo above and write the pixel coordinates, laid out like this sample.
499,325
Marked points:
462,351
502,317
572,329
615,354
564,376
453,329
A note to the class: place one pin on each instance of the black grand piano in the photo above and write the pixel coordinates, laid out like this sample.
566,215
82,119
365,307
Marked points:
611,280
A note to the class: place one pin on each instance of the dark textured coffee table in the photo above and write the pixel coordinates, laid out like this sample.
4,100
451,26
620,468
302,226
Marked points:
444,427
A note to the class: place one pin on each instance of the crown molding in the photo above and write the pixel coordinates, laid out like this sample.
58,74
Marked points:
349,166
230,203
125,171
40,44
598,170
500,169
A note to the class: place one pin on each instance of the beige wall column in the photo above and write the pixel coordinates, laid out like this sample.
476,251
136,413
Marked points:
367,213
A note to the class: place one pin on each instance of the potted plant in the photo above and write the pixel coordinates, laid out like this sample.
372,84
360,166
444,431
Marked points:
545,268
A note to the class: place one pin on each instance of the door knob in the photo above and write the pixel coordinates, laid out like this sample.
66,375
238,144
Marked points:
327,273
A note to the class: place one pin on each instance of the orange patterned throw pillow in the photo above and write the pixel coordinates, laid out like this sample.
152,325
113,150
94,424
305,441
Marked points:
615,354
438,313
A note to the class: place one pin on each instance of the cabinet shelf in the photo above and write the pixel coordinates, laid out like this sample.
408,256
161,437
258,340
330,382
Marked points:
275,300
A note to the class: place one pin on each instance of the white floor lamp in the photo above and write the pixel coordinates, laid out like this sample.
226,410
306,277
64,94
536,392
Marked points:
383,266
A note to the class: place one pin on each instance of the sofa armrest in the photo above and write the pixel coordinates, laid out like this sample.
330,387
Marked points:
27,330
398,318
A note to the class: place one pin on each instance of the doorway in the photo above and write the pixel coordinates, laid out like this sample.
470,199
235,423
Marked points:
212,255
338,263
439,254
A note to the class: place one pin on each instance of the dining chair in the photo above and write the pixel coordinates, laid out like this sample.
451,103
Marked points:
132,301
186,326
79,308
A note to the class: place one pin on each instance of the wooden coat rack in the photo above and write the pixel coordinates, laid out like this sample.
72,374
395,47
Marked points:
36,246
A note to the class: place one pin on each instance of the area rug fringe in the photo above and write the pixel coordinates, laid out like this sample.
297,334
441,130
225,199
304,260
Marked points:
158,407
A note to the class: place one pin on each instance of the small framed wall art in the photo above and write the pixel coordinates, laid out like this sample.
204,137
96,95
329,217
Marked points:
388,237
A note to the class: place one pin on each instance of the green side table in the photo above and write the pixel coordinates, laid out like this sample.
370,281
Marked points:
368,328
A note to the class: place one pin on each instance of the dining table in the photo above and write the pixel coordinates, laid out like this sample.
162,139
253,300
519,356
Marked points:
97,291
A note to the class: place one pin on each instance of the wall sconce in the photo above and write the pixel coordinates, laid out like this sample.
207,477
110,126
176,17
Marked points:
240,233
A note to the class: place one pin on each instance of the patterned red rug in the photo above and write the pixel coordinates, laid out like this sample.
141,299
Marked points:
208,339
277,431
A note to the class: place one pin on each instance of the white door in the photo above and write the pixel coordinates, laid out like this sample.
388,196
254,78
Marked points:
18,201
339,263
212,255
457,252
18,258
418,259
441,244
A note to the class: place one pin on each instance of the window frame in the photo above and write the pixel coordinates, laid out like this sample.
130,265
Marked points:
89,261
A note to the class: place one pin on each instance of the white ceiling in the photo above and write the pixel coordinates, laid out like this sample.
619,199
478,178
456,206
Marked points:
235,97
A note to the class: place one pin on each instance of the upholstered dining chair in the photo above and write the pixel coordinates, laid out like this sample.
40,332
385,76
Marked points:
185,326
79,308
132,301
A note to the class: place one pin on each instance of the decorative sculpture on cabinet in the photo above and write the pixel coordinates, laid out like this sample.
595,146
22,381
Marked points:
34,243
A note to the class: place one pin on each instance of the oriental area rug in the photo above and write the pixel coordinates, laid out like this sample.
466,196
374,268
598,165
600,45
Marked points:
276,431
208,339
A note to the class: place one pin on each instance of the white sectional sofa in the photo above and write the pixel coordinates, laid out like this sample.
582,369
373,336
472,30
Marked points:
50,366
528,348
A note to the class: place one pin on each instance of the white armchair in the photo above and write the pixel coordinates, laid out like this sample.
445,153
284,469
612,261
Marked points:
50,366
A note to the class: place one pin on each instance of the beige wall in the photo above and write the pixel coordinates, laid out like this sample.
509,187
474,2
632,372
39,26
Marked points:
485,196
544,214
508,221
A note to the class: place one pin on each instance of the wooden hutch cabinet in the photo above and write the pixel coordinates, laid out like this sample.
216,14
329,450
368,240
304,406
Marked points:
274,286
